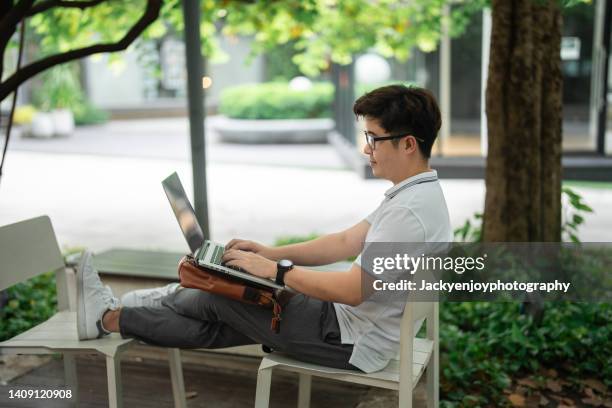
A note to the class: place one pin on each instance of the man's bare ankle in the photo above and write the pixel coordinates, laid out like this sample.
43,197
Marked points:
110,320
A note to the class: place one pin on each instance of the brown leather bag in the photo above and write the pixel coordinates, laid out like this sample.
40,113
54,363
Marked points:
193,275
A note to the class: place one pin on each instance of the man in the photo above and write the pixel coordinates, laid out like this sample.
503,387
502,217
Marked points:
329,322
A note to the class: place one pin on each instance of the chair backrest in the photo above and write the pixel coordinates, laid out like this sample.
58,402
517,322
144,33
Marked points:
413,312
27,249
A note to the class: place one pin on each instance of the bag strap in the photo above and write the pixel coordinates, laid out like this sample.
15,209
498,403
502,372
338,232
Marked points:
276,312
276,317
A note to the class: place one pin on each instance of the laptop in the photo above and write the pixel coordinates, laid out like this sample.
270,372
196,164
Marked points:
206,253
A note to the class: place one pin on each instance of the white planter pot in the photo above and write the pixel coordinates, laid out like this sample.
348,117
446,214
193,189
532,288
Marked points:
42,125
63,122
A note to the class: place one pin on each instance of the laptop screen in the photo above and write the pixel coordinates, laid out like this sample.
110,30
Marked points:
183,211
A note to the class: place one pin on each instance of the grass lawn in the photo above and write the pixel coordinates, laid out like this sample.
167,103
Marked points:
606,185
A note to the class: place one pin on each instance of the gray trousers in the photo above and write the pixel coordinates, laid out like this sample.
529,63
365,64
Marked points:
190,318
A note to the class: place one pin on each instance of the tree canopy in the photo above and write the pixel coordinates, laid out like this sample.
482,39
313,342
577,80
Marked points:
13,15
323,31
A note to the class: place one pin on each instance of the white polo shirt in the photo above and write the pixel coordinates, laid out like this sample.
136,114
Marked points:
412,211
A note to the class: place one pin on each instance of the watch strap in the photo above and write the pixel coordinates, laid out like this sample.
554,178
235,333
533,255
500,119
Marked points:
280,273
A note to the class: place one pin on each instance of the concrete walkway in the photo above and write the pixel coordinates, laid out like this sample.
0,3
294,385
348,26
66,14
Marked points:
101,188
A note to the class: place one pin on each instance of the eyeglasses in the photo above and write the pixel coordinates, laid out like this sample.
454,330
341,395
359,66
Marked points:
372,139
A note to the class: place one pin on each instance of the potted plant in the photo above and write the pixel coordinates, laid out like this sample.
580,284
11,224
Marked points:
60,90
41,126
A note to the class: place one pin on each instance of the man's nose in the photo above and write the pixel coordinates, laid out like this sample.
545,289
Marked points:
367,149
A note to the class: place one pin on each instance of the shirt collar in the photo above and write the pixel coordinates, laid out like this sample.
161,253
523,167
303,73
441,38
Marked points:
424,177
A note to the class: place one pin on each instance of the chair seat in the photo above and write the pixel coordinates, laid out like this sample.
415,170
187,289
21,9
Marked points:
385,378
59,333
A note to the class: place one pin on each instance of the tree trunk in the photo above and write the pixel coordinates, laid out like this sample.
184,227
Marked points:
524,112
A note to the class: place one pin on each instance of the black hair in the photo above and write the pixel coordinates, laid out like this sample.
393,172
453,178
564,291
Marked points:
400,108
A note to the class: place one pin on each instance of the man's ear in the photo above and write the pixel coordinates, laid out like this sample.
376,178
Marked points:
408,143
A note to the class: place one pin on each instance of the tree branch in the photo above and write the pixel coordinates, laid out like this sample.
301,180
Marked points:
46,5
8,24
11,118
151,13
5,7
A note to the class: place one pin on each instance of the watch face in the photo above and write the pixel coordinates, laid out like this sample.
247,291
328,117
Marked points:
285,263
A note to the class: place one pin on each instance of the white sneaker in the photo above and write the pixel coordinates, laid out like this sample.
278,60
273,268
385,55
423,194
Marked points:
148,297
93,299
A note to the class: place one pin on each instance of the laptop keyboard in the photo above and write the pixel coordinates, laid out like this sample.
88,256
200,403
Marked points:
215,259
217,255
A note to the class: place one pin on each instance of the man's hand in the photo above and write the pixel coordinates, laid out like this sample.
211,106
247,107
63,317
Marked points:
244,245
251,262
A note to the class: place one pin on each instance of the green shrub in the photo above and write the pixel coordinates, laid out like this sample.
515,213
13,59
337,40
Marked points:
28,304
483,345
88,114
274,100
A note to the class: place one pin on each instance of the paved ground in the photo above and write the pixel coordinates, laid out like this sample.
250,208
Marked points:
101,188
146,384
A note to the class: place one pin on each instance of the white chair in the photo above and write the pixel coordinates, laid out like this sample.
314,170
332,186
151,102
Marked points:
28,249
416,356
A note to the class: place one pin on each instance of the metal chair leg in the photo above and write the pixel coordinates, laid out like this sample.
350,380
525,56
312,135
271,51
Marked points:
113,374
433,368
264,381
304,390
70,374
433,386
405,399
176,374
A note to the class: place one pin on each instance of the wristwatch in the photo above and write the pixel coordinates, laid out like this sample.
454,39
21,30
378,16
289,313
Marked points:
282,267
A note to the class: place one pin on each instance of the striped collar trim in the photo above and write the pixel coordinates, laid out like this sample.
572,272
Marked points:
426,177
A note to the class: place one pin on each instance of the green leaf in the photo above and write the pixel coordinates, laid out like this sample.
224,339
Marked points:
583,207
